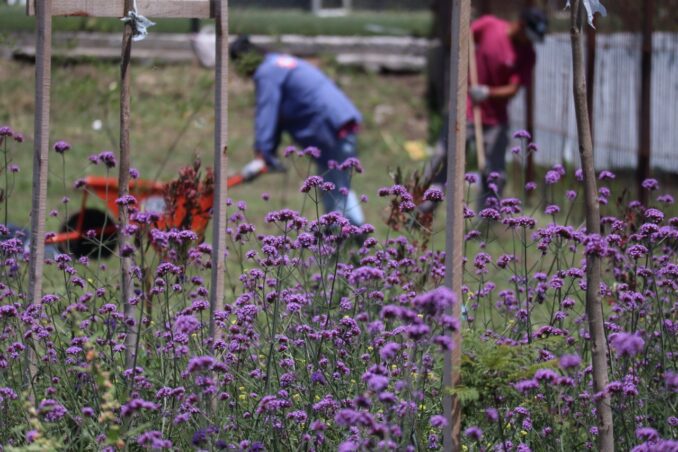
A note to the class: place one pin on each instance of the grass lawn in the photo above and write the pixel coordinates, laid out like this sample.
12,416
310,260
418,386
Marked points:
251,21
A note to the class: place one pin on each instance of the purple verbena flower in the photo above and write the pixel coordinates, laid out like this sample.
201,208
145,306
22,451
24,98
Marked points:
650,184
351,163
438,421
471,178
552,177
126,200
107,158
570,361
665,199
60,147
627,344
311,182
433,195
522,135
474,433
647,434
312,151
606,175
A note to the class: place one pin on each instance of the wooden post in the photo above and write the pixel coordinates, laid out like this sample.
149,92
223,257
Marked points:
590,70
123,186
645,134
43,83
454,228
594,308
477,112
529,122
529,126
220,165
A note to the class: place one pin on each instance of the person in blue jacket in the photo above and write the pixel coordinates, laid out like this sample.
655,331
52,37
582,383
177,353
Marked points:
294,96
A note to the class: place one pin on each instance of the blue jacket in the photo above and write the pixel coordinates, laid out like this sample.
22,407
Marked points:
294,96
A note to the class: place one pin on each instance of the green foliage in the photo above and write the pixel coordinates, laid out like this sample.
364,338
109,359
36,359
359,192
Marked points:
489,369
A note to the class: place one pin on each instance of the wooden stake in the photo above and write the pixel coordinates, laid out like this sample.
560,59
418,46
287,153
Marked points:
123,186
594,308
529,126
477,113
645,135
220,165
591,38
43,82
528,171
454,229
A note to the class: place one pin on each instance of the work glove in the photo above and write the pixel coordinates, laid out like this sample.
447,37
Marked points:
479,93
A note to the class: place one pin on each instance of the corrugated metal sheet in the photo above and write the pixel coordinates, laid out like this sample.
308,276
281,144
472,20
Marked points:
616,102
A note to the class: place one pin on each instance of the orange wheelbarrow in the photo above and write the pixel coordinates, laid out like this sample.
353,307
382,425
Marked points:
93,232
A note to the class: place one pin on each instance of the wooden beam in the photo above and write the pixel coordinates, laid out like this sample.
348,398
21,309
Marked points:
199,9
454,228
220,166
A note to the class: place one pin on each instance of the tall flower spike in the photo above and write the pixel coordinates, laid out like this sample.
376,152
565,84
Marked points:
592,7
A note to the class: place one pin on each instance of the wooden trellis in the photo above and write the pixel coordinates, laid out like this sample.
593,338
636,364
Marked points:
44,10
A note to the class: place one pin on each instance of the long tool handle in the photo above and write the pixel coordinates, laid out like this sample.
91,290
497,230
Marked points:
477,116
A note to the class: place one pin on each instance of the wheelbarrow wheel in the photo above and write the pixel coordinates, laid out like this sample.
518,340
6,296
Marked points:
95,246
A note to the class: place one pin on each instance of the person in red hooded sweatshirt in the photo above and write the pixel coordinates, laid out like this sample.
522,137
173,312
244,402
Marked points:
505,59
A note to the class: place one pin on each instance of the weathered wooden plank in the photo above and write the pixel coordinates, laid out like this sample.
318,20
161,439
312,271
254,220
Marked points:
200,9
220,165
